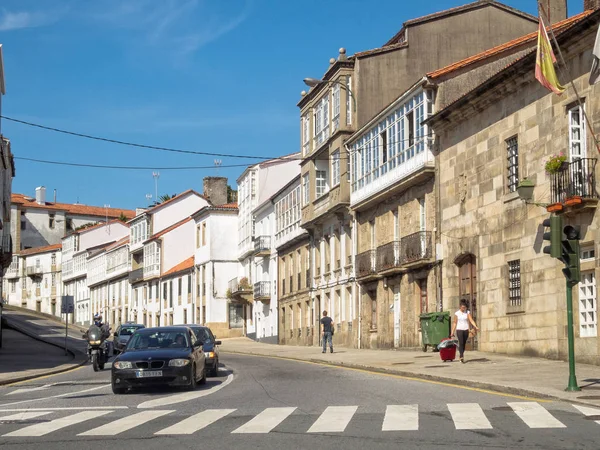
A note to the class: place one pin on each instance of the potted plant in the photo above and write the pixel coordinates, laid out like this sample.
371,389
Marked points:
244,284
555,163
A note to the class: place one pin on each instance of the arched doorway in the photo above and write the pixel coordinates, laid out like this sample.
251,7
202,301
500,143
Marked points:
467,286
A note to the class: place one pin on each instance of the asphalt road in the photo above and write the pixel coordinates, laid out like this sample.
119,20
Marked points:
271,403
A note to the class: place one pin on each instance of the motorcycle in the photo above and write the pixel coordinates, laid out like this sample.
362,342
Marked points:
97,351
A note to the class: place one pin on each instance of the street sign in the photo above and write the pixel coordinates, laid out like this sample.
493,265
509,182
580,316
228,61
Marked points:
68,304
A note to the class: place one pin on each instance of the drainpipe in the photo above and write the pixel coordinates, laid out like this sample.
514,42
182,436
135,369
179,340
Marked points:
356,286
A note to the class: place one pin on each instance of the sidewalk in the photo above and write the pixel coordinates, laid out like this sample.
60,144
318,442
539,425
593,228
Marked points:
23,358
33,346
528,377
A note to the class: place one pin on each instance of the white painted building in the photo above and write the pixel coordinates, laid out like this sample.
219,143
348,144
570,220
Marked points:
33,280
76,249
215,261
108,282
37,222
146,255
256,186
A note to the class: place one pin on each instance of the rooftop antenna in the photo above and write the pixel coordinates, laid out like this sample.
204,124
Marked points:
106,206
156,175
218,163
148,198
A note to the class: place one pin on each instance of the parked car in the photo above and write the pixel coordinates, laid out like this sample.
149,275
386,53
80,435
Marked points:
122,335
211,347
168,356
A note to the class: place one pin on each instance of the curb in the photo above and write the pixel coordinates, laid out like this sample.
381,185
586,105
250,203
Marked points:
418,376
74,353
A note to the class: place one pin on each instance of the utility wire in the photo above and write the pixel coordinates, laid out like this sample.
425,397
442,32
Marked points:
392,141
99,166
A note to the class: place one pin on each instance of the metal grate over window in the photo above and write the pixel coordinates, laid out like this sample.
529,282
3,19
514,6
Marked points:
514,282
512,149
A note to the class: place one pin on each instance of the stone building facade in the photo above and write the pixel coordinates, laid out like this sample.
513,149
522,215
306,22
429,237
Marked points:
500,132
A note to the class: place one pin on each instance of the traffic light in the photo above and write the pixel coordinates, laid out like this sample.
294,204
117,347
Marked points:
570,254
554,236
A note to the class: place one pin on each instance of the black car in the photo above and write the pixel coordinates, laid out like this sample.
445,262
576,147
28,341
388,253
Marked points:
122,335
211,347
160,356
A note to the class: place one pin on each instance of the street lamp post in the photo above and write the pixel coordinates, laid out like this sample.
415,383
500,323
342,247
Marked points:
313,82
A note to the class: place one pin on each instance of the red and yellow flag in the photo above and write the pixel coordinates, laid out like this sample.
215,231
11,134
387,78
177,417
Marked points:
544,63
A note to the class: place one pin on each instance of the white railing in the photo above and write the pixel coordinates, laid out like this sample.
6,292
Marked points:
289,233
385,176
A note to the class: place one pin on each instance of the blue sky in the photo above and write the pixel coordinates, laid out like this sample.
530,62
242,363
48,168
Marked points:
203,75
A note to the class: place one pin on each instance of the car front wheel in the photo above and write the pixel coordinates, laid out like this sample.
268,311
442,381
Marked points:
117,389
203,379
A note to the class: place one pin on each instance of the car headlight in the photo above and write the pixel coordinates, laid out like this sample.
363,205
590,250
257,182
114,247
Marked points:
179,362
122,365
209,354
95,342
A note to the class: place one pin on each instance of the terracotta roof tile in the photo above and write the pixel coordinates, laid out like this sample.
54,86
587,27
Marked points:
531,37
73,209
98,225
166,230
172,199
233,205
184,265
117,244
37,250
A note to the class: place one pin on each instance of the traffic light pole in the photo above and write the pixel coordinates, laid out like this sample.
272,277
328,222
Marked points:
572,386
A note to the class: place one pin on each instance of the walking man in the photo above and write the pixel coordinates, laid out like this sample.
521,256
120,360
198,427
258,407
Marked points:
327,325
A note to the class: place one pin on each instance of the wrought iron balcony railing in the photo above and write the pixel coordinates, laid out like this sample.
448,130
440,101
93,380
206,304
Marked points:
388,256
239,285
574,179
262,289
262,244
365,263
415,247
136,275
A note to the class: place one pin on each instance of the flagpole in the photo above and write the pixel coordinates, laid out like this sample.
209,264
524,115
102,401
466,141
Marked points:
587,119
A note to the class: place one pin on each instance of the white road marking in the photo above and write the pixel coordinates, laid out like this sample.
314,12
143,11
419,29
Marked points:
588,412
185,396
42,429
125,423
468,416
196,422
265,421
535,415
73,408
24,415
24,390
401,418
334,419
54,396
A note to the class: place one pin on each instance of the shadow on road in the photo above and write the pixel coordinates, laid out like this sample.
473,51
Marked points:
162,390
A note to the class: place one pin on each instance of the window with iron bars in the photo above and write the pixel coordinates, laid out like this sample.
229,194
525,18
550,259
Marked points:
514,282
512,157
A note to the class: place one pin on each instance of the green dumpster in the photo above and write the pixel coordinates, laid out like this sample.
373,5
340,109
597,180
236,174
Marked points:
435,326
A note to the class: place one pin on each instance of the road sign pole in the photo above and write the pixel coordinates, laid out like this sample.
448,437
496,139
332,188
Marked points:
572,386
66,332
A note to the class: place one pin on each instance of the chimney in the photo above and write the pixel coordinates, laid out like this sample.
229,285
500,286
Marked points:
215,189
591,4
554,10
40,195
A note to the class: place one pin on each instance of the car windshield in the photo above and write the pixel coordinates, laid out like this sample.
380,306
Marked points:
202,335
151,340
128,331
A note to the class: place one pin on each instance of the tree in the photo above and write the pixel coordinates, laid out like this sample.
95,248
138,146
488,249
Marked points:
231,195
163,198
122,217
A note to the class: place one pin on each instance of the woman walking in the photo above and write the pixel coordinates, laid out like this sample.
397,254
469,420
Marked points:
460,327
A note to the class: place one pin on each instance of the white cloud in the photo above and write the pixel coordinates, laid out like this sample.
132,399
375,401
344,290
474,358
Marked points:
17,20
181,26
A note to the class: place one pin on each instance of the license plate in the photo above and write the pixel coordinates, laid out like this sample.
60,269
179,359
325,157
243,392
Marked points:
148,373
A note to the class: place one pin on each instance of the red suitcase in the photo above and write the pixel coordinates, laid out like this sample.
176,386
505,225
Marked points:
448,353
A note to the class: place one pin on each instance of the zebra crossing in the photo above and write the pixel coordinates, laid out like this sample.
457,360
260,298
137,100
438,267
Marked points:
333,419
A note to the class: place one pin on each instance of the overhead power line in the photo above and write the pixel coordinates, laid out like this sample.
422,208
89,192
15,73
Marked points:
132,144
100,166
392,140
